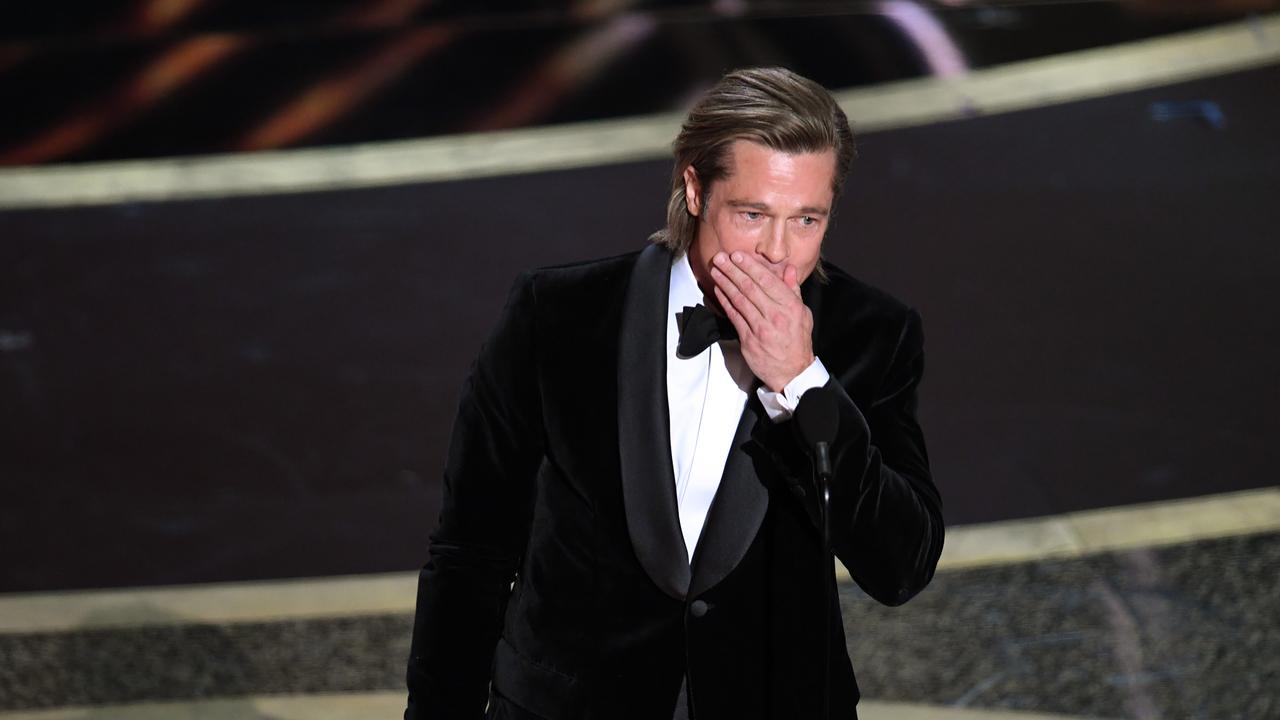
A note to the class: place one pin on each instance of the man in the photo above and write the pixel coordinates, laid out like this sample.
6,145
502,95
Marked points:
629,527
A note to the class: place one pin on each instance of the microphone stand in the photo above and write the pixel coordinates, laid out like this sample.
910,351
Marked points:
822,473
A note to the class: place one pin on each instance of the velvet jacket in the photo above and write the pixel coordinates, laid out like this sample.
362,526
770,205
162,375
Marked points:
557,584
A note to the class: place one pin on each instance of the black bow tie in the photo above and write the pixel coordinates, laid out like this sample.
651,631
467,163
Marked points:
699,327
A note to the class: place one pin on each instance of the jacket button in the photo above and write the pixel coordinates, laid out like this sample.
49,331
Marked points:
698,608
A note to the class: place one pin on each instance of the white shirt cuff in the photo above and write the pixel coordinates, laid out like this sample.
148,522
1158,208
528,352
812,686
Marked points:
780,405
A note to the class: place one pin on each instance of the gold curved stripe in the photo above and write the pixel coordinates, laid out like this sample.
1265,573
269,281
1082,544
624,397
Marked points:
1016,86
1061,536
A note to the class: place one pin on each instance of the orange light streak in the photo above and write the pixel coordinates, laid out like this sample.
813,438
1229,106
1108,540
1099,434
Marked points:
187,60
153,16
173,69
572,66
323,103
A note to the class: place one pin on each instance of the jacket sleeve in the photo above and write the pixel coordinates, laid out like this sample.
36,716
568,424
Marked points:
886,511
475,551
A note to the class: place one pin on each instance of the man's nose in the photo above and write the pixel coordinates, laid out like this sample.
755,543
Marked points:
773,245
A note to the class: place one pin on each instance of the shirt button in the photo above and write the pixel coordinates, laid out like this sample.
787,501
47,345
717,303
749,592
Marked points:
698,608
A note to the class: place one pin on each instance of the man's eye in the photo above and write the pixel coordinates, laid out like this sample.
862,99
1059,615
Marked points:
751,215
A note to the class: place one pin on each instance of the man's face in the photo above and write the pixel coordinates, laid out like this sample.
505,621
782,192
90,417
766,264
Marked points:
773,207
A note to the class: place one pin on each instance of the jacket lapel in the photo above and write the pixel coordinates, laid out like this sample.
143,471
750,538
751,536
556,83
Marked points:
644,431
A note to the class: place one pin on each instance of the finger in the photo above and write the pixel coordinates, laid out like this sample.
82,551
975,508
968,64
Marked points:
740,302
735,317
745,284
791,277
774,289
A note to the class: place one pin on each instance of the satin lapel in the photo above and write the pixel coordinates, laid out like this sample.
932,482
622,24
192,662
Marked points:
736,512
644,430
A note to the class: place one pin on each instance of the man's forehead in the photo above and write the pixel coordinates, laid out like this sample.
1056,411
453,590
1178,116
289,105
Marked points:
764,189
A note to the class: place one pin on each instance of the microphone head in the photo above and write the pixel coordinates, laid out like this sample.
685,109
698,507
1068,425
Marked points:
817,416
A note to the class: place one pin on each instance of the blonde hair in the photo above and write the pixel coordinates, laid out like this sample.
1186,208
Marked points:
771,106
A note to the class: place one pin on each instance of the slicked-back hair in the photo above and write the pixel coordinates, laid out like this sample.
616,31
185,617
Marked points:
772,106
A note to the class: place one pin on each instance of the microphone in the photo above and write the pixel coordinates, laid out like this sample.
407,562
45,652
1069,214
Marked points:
818,417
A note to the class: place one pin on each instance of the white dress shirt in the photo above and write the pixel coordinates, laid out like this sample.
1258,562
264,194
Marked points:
705,397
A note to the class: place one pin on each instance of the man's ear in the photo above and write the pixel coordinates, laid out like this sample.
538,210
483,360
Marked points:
692,190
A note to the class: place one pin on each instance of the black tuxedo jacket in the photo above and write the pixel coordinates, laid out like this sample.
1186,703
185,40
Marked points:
558,570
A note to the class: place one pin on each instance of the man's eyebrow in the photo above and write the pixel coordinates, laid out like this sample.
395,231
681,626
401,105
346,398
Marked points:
807,210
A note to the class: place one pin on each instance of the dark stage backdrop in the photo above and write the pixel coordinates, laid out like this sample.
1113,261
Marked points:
264,386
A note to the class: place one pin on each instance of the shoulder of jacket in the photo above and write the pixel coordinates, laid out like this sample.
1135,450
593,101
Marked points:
592,277
848,291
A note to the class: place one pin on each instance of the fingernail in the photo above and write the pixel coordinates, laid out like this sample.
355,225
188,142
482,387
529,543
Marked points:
737,257
720,258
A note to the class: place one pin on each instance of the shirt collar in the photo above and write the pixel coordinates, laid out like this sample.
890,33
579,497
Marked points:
684,286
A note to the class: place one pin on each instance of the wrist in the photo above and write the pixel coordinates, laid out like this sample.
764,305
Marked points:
779,404
779,383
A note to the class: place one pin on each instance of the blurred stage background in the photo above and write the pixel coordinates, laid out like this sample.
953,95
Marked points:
248,251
